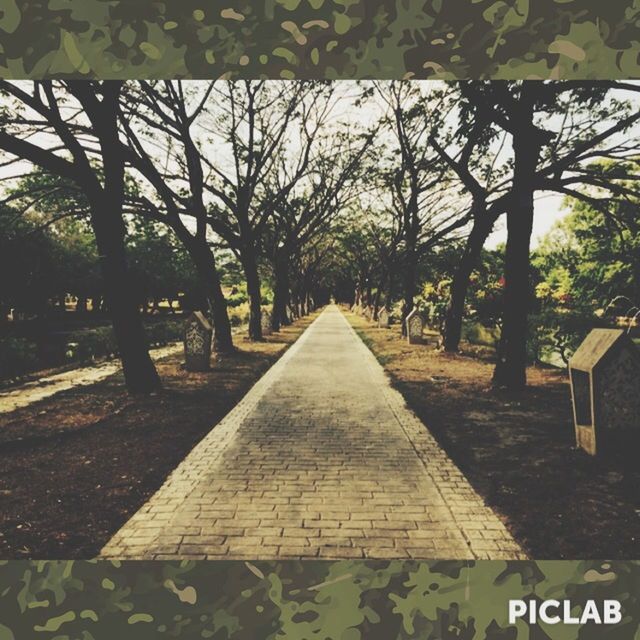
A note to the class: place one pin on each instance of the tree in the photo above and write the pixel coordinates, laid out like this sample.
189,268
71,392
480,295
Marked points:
159,119
161,267
479,166
543,158
28,254
257,125
52,109
307,214
424,200
593,254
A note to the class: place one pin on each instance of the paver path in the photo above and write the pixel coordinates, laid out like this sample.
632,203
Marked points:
320,459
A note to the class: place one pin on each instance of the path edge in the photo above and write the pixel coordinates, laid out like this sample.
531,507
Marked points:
467,512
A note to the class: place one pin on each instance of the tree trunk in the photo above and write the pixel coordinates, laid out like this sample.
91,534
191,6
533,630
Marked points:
511,369
452,331
281,292
409,293
81,304
109,228
390,290
376,303
208,275
255,295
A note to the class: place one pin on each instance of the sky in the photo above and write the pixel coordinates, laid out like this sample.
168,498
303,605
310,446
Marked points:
548,209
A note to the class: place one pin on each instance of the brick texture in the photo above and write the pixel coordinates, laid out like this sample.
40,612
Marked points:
321,459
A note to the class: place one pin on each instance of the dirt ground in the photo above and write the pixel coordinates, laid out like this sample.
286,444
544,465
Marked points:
519,452
76,466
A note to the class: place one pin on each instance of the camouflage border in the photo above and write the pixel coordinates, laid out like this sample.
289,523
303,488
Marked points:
447,39
434,600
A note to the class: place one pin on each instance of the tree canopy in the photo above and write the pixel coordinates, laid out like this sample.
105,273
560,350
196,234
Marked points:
379,194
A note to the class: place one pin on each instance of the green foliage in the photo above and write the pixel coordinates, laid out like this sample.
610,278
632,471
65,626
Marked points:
239,314
100,342
477,333
556,332
238,296
589,259
91,344
17,357
165,332
484,296
591,256
159,264
50,250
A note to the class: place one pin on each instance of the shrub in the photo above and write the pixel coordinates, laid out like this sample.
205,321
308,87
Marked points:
477,333
91,344
17,357
559,332
162,333
239,315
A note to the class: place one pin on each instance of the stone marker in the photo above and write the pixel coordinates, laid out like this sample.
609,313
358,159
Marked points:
605,389
198,333
415,326
265,323
383,319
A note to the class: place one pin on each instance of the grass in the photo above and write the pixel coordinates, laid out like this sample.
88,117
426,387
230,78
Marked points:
381,358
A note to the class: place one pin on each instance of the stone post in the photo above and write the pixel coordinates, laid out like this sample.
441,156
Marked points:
198,334
415,327
383,319
265,320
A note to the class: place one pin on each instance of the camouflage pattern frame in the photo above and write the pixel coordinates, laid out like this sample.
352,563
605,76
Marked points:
312,39
330,39
342,600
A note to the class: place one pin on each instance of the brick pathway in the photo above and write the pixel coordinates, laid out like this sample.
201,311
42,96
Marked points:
320,459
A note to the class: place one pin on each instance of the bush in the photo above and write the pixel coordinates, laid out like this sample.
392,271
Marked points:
95,343
163,333
100,343
17,357
239,315
237,299
557,333
477,333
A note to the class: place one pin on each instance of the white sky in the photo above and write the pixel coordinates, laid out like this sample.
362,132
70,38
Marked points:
549,207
